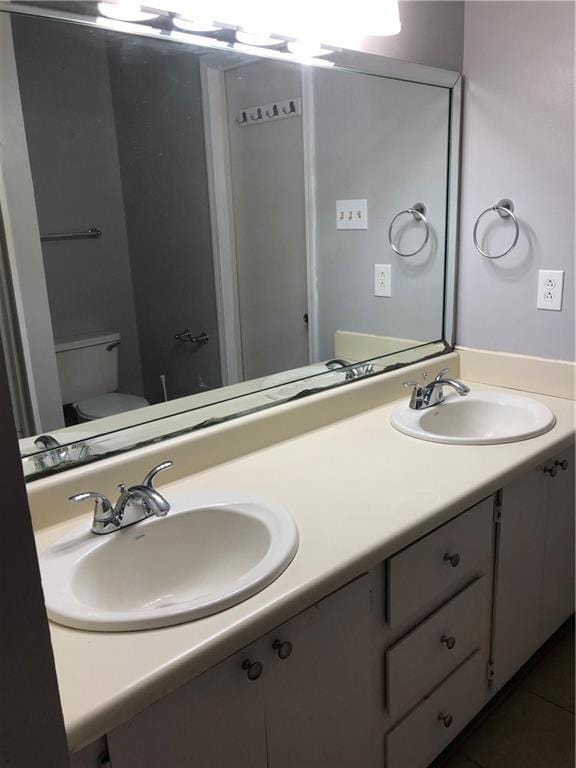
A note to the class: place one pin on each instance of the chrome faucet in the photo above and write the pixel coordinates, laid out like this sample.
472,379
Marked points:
59,454
134,504
53,454
427,395
352,371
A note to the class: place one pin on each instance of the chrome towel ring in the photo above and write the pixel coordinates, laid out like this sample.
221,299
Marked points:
503,208
417,211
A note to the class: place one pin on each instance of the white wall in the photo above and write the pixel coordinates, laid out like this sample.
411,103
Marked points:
432,33
385,141
518,142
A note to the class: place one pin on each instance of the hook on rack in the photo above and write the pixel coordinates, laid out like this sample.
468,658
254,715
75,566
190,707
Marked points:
263,113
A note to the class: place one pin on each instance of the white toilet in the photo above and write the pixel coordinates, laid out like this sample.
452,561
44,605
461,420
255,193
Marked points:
88,372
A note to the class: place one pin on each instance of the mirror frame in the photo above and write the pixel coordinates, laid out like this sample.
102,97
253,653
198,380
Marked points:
338,59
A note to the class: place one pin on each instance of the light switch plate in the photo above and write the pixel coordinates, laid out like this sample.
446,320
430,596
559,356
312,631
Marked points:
383,280
550,287
351,214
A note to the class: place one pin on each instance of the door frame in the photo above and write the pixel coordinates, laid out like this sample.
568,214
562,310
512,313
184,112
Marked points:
213,67
32,323
215,112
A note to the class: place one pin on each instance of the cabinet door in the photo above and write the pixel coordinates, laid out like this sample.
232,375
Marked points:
215,721
92,756
319,699
519,573
558,589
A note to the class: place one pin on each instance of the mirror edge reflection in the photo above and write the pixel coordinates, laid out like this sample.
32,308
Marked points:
36,469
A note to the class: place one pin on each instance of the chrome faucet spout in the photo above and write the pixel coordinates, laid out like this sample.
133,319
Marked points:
459,386
150,498
336,362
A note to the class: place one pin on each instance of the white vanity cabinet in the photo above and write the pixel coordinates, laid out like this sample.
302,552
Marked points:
534,585
217,719
437,646
387,670
297,698
558,585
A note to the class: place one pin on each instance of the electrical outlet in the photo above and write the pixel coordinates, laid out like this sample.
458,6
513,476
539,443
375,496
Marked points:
550,286
383,280
351,214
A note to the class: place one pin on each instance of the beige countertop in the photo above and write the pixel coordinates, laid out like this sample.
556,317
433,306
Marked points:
358,490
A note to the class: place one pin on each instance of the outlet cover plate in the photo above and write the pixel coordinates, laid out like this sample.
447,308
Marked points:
550,287
383,280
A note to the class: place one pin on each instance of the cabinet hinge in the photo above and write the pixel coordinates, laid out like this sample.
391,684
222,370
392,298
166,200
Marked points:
498,506
490,672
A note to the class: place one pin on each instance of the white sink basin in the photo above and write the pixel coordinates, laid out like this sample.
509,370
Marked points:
209,553
480,418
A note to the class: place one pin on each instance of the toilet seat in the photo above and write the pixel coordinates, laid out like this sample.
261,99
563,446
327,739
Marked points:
110,404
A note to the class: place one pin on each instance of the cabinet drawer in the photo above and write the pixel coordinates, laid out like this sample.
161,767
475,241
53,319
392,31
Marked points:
422,735
428,654
434,568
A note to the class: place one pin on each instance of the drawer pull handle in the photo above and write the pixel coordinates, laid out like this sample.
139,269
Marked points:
449,641
447,720
283,649
253,669
552,471
562,464
454,559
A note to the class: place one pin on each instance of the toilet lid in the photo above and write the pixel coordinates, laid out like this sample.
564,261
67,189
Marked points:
109,405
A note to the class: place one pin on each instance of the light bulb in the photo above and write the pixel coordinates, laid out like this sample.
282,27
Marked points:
310,48
125,10
260,39
194,25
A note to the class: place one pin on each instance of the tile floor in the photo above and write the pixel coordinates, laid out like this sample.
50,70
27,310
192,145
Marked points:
531,724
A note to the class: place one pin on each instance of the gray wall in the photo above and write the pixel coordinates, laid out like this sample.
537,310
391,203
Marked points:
31,724
71,138
267,167
518,143
385,141
158,107
432,33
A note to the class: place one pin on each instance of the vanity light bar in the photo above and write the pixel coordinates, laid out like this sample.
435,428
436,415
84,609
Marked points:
254,22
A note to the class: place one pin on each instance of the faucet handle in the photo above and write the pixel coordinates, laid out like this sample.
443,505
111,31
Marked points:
103,509
149,479
410,383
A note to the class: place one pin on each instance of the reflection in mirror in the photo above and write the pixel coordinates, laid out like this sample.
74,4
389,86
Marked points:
203,225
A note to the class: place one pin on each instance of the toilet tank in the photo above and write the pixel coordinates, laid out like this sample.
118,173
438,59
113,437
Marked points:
87,365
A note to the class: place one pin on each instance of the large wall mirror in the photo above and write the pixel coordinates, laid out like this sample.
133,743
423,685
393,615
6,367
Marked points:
194,228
